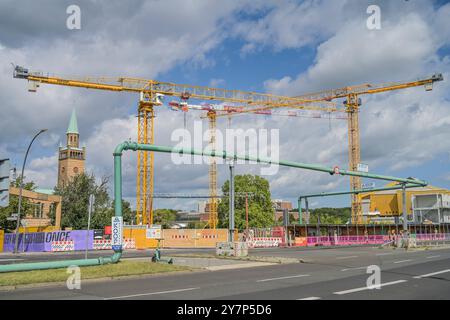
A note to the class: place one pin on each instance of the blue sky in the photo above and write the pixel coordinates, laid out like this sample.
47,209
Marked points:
282,47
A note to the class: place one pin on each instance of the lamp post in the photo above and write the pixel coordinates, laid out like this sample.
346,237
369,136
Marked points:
16,244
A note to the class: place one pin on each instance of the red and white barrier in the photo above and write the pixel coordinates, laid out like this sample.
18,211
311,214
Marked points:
106,244
264,242
59,246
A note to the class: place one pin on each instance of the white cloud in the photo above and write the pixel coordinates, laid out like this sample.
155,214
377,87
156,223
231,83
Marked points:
401,129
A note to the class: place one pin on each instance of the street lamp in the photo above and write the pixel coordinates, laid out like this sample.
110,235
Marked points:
16,245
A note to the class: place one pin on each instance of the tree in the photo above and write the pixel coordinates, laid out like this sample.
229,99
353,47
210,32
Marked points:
13,207
75,202
164,217
331,215
103,218
260,211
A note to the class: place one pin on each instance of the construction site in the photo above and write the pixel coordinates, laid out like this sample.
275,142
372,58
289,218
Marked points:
304,141
404,204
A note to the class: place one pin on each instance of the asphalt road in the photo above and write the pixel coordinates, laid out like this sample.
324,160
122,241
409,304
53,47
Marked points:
327,274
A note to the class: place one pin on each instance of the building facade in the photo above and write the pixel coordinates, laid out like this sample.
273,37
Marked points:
428,205
71,157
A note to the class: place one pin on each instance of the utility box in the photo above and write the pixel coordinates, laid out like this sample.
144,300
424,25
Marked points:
232,249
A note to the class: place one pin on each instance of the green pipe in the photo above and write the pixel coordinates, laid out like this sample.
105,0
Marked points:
328,194
222,154
59,264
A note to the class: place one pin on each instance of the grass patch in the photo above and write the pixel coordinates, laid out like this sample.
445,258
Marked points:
123,268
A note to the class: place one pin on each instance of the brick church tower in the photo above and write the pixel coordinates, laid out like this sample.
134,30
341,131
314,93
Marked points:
71,157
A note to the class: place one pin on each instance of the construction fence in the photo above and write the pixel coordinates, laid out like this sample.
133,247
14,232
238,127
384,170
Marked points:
139,238
134,238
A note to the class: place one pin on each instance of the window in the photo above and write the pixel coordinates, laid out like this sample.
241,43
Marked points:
75,169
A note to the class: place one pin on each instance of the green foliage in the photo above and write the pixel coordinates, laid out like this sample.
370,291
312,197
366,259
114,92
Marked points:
260,210
197,224
331,215
164,217
75,202
103,217
30,185
26,207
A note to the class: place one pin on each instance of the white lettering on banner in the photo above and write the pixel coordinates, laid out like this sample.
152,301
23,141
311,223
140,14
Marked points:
117,233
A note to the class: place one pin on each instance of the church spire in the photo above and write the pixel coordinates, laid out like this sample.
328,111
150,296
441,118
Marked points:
73,125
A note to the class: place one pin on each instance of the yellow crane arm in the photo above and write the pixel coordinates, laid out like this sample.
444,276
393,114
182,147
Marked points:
329,95
180,90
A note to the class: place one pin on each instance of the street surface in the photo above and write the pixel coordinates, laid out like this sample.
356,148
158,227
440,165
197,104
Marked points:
326,274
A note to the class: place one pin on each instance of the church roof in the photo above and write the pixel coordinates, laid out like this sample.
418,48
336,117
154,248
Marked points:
73,125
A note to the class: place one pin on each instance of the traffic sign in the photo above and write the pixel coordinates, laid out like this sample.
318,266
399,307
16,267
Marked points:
154,232
363,167
5,167
117,233
368,185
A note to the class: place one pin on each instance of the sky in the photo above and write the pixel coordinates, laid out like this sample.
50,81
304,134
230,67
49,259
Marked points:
280,47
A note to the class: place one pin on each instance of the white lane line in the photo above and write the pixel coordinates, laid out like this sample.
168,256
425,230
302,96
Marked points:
151,293
432,257
1,260
367,288
282,278
349,257
384,254
359,268
402,261
310,298
432,274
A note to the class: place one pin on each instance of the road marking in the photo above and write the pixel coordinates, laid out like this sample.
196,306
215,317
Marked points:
432,257
1,260
239,266
151,293
384,254
402,261
432,274
349,257
310,298
359,268
367,288
282,278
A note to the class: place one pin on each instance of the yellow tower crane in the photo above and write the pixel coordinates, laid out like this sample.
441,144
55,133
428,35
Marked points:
353,103
150,92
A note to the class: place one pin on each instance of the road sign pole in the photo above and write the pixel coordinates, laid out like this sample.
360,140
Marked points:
91,205
231,212
16,244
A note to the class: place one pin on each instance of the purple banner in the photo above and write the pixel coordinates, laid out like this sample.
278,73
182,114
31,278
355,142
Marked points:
40,242
34,242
